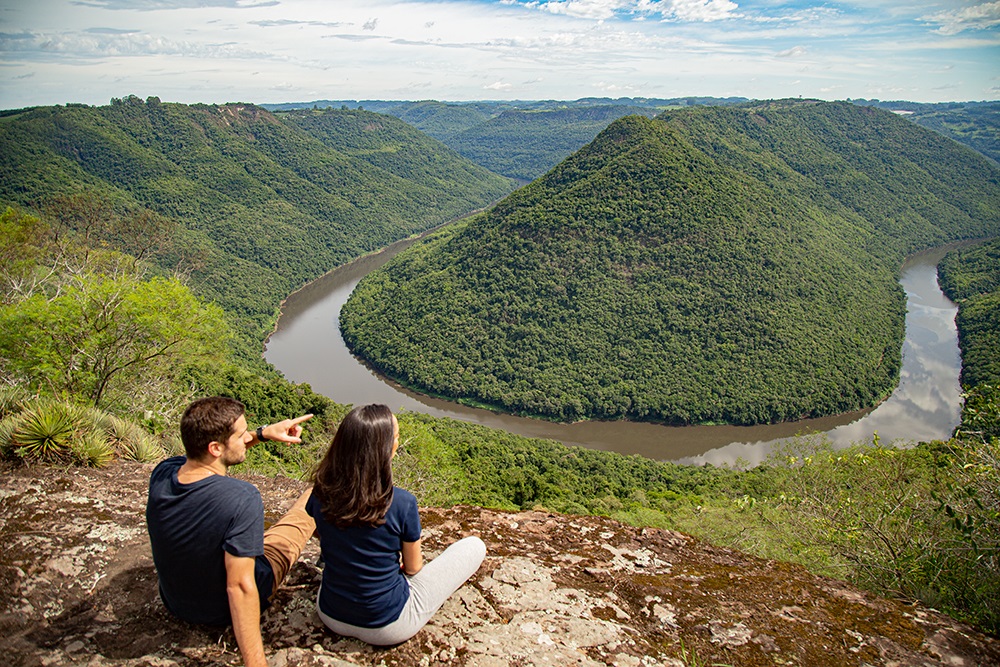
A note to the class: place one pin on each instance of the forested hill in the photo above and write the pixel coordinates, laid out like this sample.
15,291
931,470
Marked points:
526,144
713,265
253,204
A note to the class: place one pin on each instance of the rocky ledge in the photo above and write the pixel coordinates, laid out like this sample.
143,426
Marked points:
77,587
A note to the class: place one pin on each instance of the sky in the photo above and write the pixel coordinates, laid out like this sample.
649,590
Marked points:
271,51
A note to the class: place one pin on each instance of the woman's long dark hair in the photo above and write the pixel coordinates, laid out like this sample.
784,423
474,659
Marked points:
353,482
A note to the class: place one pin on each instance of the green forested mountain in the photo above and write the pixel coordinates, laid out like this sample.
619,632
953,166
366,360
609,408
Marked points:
971,277
391,145
521,139
712,265
254,206
526,144
441,120
975,124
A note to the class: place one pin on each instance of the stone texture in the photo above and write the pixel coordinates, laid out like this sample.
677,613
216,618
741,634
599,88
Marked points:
77,587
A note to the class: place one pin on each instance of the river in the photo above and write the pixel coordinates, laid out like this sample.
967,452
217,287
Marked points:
307,347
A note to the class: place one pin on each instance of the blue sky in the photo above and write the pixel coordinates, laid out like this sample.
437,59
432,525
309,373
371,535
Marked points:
60,51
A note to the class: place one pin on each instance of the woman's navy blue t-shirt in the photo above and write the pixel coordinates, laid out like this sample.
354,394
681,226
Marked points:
363,584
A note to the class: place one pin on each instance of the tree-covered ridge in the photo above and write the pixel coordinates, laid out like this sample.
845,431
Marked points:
971,277
975,124
716,265
395,147
442,120
521,139
526,144
257,205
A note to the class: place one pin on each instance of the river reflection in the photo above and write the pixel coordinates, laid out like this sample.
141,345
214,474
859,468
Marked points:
307,347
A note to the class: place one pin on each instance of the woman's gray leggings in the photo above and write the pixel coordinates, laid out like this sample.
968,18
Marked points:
429,588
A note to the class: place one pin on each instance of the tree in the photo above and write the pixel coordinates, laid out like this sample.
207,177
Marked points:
22,238
110,340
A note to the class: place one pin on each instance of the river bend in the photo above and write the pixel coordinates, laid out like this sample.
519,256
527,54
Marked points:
307,347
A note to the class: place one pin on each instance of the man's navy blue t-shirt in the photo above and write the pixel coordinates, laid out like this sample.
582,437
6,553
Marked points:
363,584
191,526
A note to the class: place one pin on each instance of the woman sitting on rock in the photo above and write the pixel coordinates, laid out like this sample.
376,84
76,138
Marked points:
375,585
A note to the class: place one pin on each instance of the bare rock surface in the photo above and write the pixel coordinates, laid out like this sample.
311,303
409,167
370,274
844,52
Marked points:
78,587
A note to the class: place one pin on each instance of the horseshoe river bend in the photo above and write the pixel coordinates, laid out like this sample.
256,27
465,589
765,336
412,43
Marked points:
307,347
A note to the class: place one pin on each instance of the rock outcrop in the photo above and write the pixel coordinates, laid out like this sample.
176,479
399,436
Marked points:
78,587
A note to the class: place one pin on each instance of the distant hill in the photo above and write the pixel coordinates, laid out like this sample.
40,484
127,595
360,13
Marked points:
441,120
526,144
518,147
265,204
713,265
520,139
975,124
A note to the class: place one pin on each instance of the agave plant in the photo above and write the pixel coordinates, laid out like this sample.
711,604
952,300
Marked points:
132,441
46,431
92,448
8,426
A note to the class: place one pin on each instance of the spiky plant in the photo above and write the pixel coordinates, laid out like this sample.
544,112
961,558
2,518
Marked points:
132,441
8,426
46,431
91,448
173,445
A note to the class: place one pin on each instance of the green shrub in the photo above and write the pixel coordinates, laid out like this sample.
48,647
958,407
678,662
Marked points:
92,449
8,426
131,441
12,400
46,432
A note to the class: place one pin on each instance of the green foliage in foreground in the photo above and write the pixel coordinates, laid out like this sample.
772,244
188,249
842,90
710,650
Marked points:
105,337
971,277
732,265
51,431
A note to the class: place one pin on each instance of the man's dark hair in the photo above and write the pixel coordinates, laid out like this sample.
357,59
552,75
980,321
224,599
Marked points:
208,420
353,481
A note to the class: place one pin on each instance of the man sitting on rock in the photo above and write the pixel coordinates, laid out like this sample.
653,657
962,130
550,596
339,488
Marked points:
216,563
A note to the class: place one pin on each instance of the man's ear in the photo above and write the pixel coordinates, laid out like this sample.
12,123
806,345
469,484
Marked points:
215,449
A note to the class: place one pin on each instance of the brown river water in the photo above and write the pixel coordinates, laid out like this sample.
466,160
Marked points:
307,347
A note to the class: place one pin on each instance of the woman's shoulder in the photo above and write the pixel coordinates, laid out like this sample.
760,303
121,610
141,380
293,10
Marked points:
402,496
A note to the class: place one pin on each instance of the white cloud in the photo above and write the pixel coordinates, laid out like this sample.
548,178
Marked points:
698,10
498,85
107,44
793,52
159,5
669,10
586,9
977,17
617,89
280,23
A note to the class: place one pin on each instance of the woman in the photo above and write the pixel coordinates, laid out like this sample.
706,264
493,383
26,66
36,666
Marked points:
375,585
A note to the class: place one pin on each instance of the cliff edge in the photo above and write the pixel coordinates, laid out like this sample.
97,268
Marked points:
77,587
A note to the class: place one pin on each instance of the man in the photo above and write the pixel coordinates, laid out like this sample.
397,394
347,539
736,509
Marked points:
216,563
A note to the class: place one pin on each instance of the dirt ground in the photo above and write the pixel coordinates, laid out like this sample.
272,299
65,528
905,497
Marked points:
78,587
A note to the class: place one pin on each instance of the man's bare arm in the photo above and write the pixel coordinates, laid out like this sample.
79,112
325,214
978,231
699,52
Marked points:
288,431
244,605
